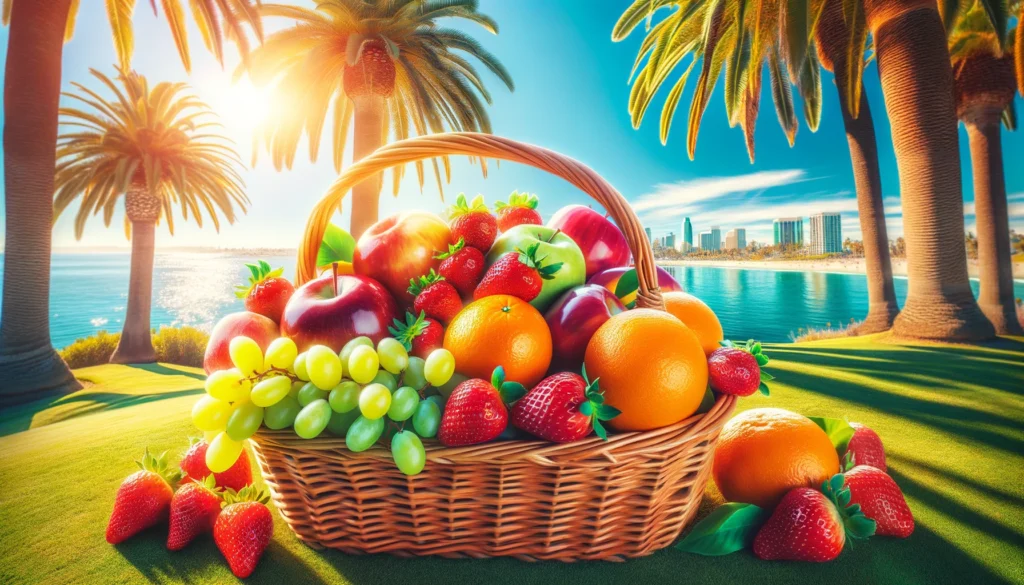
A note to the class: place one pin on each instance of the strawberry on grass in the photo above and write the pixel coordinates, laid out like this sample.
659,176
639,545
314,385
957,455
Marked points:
463,266
143,499
735,368
880,499
519,273
472,223
267,292
419,334
866,447
563,407
435,296
521,209
243,529
475,412
194,510
193,464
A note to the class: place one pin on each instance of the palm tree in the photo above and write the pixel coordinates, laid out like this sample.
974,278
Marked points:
386,66
984,83
38,30
716,40
159,150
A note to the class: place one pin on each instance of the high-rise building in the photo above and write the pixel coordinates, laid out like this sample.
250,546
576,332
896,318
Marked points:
670,240
687,235
716,237
649,238
707,242
826,233
789,231
736,239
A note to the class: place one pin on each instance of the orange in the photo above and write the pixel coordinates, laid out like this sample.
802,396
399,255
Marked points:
651,367
765,452
697,316
500,330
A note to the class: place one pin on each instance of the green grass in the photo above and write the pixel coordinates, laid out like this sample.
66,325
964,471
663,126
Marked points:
951,418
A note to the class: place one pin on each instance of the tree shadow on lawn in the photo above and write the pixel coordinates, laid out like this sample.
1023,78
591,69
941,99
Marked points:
168,370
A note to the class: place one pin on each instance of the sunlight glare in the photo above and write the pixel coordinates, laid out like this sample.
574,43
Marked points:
242,107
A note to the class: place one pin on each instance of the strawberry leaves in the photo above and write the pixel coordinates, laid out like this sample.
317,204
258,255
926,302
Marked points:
754,348
595,408
416,286
529,258
517,199
453,249
509,391
249,493
857,525
158,465
730,528
260,272
461,207
411,329
838,430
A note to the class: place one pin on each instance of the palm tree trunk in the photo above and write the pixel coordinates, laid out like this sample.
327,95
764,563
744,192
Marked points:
368,137
917,82
860,136
996,271
31,367
136,345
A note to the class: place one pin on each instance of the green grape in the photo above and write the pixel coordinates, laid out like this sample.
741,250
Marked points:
346,350
363,364
228,385
387,379
210,414
281,354
313,419
323,367
345,396
299,367
363,433
374,401
309,392
244,421
282,415
296,386
408,452
403,403
439,401
393,356
222,453
246,355
426,419
439,367
448,387
209,436
341,421
270,391
413,375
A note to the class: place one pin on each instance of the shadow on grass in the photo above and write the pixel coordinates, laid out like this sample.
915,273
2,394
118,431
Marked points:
167,370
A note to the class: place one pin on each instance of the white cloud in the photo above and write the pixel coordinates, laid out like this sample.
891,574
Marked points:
683,196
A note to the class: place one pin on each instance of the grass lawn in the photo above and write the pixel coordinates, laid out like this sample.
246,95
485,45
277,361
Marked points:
952,418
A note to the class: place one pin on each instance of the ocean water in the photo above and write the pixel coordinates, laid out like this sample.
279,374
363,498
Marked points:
89,293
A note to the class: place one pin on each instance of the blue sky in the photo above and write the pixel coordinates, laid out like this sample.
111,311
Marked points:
570,96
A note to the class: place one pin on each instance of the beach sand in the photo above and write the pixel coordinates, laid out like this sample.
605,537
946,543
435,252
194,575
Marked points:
844,265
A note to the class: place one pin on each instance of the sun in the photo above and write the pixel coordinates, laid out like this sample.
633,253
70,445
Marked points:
242,107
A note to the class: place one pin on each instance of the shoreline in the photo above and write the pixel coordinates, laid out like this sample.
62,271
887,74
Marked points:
840,265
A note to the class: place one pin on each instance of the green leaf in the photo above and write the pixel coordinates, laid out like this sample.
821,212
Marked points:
728,529
762,360
498,377
763,389
707,402
860,526
337,246
627,284
756,348
765,376
599,430
587,408
606,412
511,391
839,431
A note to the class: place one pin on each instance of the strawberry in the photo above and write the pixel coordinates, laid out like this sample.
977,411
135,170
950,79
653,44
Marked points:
563,408
881,500
735,368
812,525
267,292
865,446
194,509
463,266
143,500
475,412
243,529
472,223
520,274
193,464
435,297
521,209
420,335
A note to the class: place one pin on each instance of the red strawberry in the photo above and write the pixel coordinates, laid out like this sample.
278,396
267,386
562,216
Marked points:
807,524
244,529
563,408
193,464
866,447
472,222
267,292
475,412
435,297
462,266
736,369
420,335
520,274
881,500
521,209
143,500
194,509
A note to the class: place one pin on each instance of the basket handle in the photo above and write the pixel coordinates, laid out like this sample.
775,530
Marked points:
485,146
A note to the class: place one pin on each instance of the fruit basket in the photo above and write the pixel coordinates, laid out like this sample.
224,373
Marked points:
534,500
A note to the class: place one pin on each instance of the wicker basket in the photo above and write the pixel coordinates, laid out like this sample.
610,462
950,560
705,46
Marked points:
533,500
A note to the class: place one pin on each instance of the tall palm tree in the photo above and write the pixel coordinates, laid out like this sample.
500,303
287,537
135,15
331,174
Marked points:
386,67
38,30
718,41
984,83
157,148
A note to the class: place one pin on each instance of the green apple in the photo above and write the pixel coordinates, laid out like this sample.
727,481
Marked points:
554,247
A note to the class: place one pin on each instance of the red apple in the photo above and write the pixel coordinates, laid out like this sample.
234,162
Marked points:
261,329
401,247
317,314
609,279
602,242
574,318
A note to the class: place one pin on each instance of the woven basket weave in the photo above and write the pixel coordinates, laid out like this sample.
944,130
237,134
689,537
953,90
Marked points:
592,499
